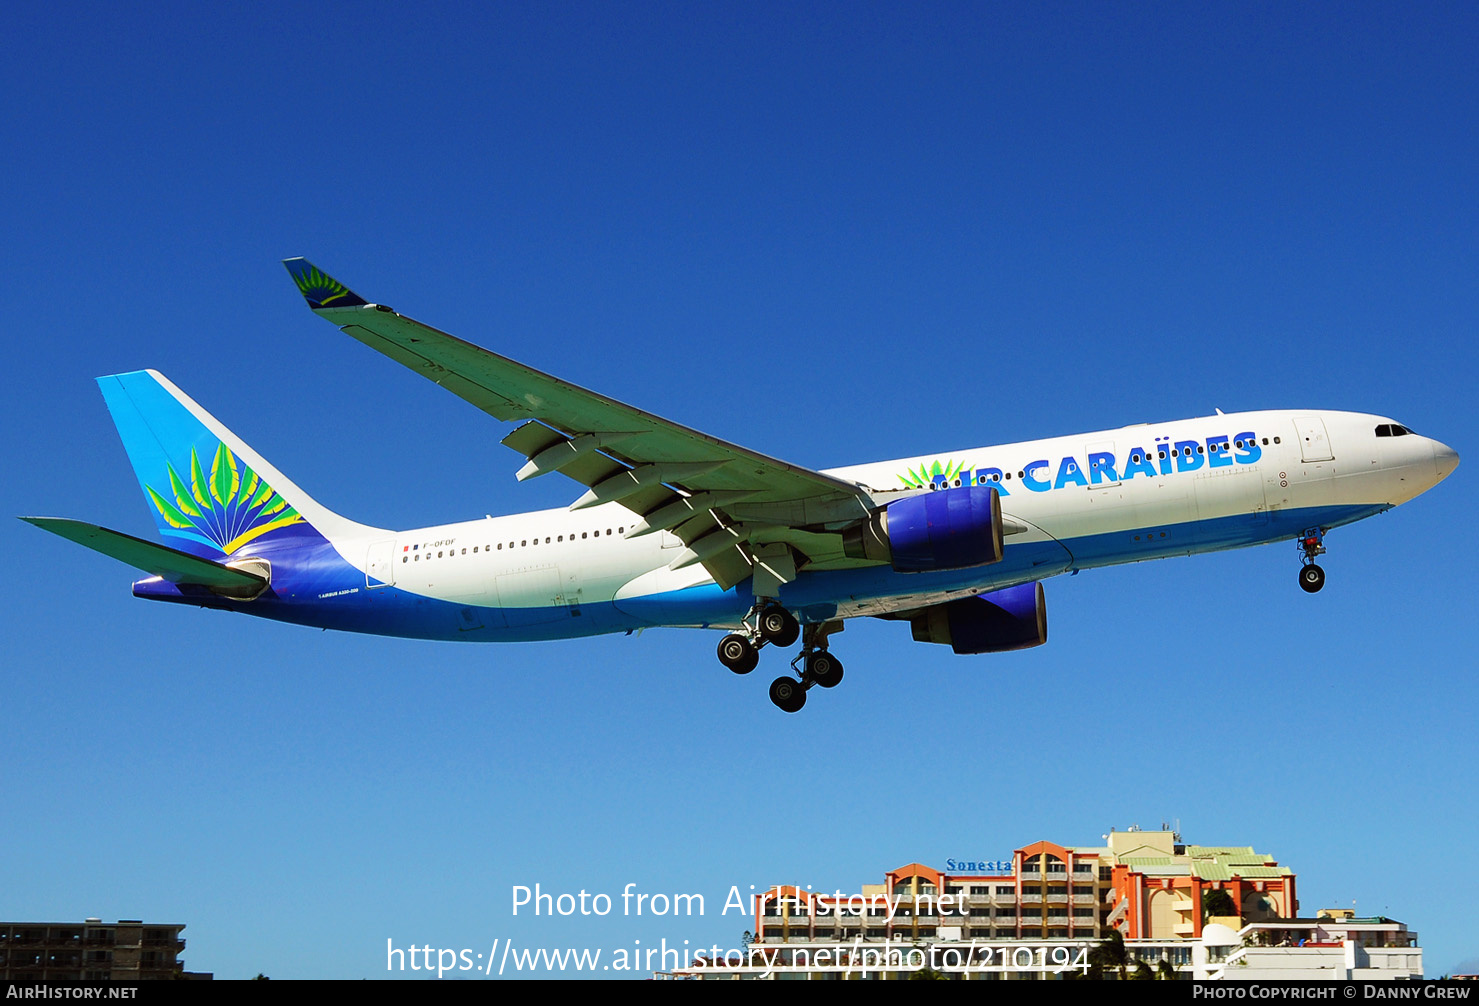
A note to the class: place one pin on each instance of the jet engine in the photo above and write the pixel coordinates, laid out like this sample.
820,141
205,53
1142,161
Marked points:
946,529
1011,619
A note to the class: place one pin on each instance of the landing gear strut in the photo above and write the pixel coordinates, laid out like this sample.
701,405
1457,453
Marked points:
1311,544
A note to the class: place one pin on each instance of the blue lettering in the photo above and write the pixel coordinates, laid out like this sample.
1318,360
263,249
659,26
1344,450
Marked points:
1101,468
1069,471
1030,480
1165,457
1216,456
1187,458
1139,463
1250,451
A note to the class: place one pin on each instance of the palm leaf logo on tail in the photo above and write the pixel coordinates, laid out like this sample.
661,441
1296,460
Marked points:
226,508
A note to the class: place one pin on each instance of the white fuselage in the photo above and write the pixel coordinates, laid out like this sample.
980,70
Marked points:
1069,502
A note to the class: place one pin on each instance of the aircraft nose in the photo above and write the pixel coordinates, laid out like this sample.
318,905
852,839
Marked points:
1445,458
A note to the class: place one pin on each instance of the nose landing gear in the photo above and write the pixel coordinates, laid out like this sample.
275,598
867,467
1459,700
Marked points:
1311,544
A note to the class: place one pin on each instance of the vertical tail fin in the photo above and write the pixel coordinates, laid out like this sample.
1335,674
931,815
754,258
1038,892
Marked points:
210,494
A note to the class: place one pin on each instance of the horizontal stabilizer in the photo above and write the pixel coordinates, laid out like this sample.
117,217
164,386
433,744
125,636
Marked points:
161,561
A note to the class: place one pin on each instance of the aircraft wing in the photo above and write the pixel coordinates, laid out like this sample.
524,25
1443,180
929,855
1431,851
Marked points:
732,507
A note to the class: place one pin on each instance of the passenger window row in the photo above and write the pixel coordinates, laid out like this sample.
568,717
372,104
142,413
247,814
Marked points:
520,543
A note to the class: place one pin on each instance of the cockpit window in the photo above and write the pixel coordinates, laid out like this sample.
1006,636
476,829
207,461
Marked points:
1392,430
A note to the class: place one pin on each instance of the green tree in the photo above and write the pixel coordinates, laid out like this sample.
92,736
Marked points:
1217,903
1111,953
1164,971
1143,973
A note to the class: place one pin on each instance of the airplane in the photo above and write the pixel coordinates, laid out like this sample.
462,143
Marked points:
678,528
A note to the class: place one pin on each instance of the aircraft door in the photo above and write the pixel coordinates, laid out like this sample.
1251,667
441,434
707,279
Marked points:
1314,442
380,565
1110,506
1312,483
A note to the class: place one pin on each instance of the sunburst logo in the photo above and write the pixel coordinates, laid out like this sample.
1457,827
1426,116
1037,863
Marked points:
933,475
227,509
319,288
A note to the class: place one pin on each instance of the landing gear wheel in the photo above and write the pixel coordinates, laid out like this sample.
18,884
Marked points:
1311,578
824,669
777,626
788,693
738,654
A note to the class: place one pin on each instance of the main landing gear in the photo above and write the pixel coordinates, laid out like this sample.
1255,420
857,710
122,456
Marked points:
740,651
1311,544
769,623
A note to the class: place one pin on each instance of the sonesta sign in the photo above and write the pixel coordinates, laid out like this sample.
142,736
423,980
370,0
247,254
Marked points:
978,865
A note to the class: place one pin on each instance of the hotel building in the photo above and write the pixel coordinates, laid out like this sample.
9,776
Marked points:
127,950
1146,884
1040,912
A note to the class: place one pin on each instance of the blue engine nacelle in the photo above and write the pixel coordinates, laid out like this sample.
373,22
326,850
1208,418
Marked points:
1011,619
946,529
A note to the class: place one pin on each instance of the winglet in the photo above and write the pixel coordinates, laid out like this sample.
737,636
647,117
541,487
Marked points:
319,288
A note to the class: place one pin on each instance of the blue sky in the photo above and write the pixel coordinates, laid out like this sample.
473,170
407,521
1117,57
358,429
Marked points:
835,233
